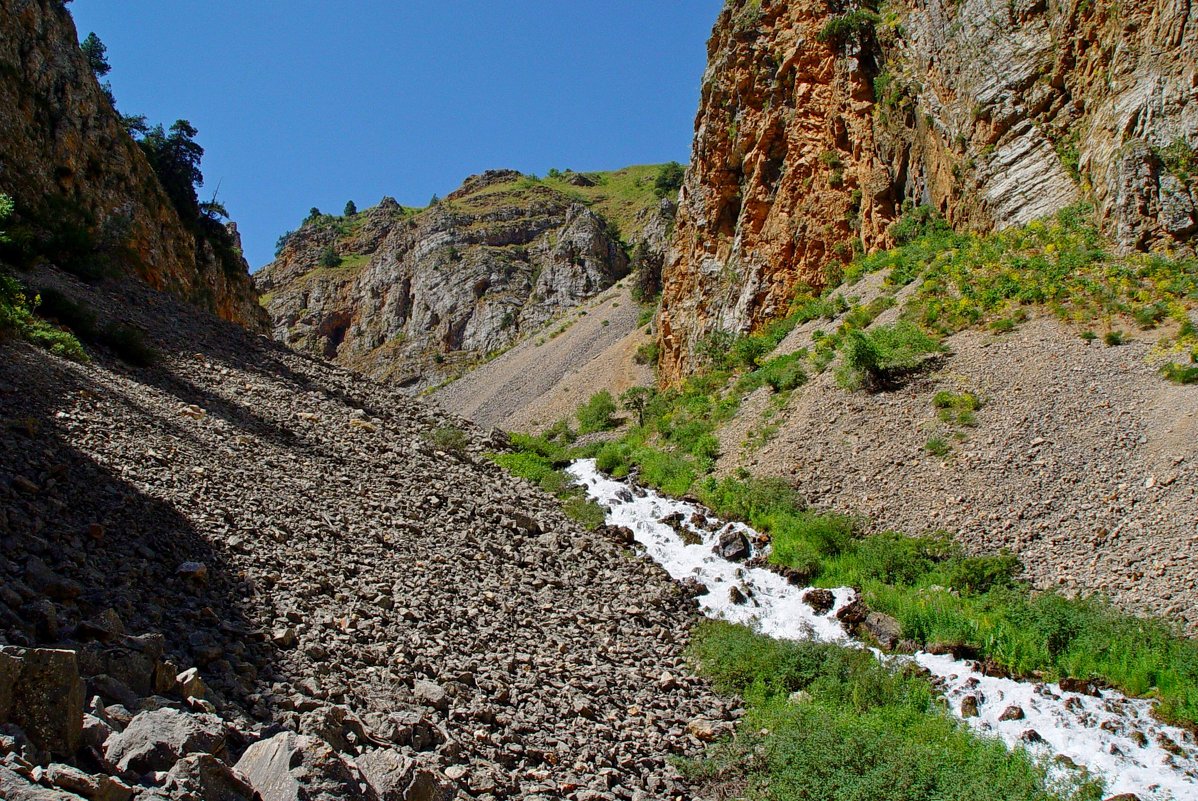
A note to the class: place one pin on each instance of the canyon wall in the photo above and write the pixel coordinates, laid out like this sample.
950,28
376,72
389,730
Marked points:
821,123
86,197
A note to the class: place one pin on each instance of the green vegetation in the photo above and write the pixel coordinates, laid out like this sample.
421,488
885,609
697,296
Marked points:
1059,264
877,357
329,257
832,723
597,413
540,459
854,26
940,595
449,439
96,54
351,209
669,180
17,308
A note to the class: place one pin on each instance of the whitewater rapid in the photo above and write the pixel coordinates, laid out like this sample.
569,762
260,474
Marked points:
1110,735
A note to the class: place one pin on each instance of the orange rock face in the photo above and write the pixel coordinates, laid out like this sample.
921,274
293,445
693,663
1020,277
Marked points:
811,139
782,178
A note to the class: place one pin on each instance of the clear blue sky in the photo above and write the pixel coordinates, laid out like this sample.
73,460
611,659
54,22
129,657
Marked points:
305,103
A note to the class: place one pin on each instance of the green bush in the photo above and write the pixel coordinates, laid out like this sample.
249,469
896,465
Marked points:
597,414
937,446
1113,339
450,439
863,730
1180,373
877,357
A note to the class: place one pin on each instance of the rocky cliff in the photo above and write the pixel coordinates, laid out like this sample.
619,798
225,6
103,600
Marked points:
85,195
819,125
416,296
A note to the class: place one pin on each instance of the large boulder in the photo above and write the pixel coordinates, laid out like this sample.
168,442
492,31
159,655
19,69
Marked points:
733,546
202,777
389,772
15,787
40,691
295,767
91,787
157,740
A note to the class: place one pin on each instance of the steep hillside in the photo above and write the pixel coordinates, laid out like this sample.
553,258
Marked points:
86,197
817,128
418,296
338,561
546,377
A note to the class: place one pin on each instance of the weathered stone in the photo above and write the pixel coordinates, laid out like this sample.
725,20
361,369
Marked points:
431,694
203,777
820,600
95,788
853,613
429,785
291,767
733,546
883,628
1013,712
338,727
157,740
969,706
389,772
47,698
14,787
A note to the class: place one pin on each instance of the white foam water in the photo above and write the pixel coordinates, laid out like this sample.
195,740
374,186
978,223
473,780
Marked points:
1110,735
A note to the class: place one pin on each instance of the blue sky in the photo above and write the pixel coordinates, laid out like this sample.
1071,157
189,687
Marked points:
304,103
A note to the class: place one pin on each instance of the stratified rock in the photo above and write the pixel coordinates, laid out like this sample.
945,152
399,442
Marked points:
292,767
417,295
46,696
797,167
157,740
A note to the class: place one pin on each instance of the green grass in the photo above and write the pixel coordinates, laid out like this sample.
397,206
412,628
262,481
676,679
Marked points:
858,730
540,459
879,356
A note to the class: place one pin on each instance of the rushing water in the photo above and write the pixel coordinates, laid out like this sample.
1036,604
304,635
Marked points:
1111,735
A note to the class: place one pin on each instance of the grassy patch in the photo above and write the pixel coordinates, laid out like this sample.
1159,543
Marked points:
856,729
17,317
878,357
540,459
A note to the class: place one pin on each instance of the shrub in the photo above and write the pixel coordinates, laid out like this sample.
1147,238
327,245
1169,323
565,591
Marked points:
128,343
1180,373
329,257
648,353
877,357
937,446
450,439
669,180
597,413
1113,338
784,373
854,26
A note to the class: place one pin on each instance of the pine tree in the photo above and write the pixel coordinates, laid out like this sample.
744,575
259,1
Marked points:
351,208
96,54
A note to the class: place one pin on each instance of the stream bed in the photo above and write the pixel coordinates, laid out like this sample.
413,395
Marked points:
1109,734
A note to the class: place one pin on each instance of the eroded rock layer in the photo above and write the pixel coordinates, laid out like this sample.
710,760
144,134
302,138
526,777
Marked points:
818,126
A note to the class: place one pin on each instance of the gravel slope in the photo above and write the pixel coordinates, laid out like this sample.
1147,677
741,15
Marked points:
547,376
347,561
1083,460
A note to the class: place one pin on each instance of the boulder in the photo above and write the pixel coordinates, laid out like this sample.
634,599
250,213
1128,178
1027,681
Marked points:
202,777
431,694
295,767
15,787
969,706
338,727
95,788
821,601
157,740
430,785
883,628
853,614
1012,712
733,546
388,772
44,696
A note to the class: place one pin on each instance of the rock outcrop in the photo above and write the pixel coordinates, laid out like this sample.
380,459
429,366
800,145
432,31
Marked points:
417,296
817,129
84,191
